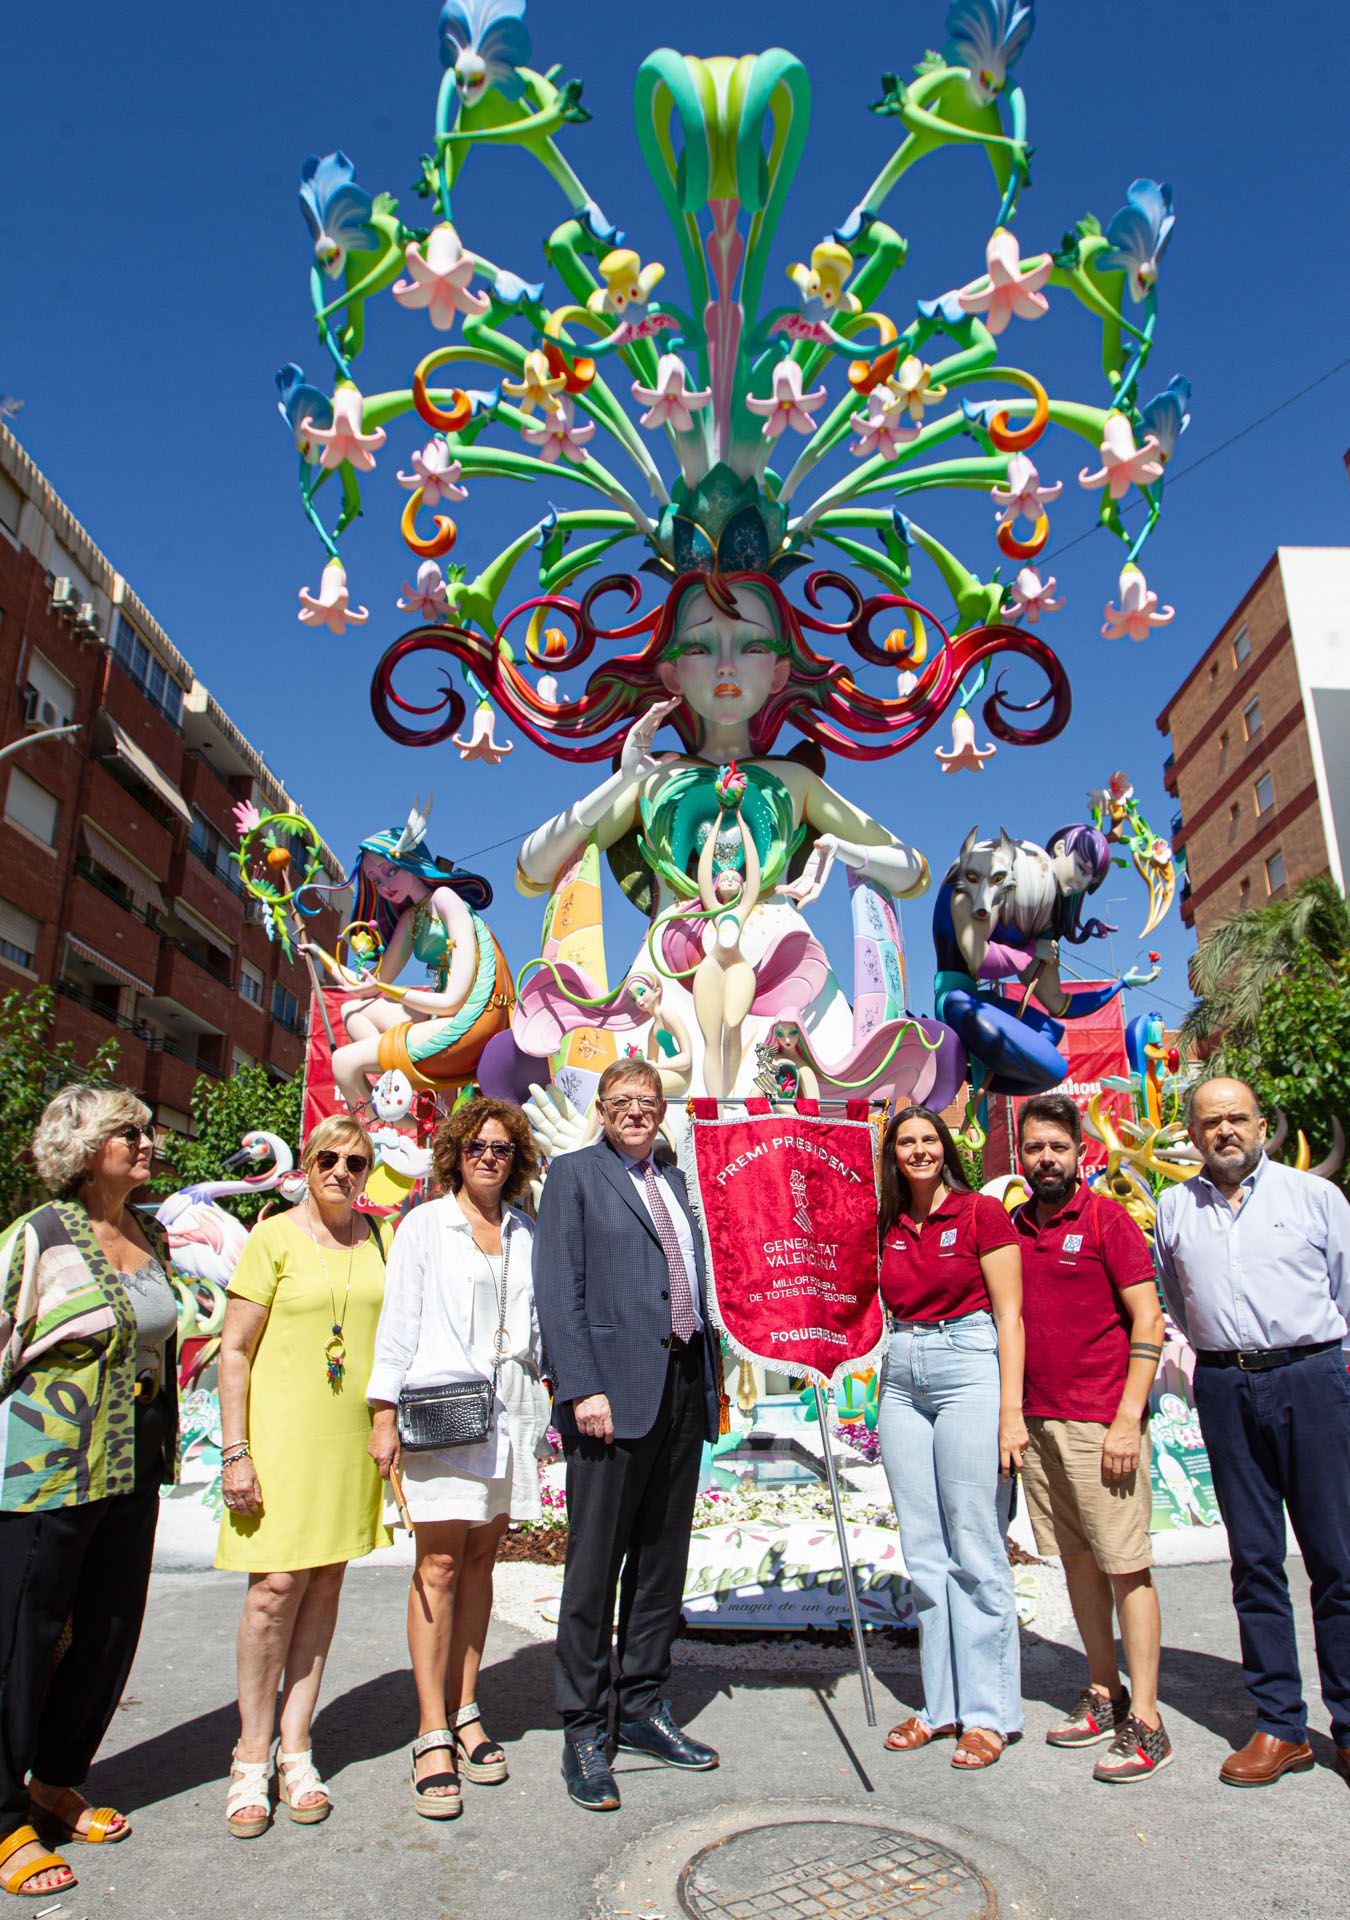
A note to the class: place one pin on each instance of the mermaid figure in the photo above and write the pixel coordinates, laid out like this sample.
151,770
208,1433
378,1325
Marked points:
425,908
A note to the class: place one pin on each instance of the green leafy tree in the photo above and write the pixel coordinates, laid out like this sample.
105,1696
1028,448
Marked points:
1241,959
1298,1053
32,1068
223,1111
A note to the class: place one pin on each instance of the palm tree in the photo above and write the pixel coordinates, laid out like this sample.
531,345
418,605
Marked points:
1240,958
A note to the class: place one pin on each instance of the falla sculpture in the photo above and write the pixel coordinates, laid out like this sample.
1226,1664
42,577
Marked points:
767,444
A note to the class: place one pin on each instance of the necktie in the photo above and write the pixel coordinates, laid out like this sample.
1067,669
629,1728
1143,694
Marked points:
681,1299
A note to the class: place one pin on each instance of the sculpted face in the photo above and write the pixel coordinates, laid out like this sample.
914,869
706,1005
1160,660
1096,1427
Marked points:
1073,874
725,665
391,882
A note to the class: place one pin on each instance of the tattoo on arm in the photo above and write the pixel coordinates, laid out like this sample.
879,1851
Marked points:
1144,1350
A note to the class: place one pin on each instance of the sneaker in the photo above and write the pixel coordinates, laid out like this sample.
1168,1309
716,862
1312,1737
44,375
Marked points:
1137,1751
1097,1717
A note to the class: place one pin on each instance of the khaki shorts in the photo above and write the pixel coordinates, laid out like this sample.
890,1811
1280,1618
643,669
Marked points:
1073,1509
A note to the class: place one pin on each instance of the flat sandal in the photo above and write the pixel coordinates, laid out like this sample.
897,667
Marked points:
983,1744
915,1733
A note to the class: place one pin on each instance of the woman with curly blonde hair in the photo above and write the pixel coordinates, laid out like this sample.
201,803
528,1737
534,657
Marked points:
459,1307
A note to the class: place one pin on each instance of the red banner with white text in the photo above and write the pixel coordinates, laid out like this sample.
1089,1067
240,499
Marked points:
789,1210
321,1095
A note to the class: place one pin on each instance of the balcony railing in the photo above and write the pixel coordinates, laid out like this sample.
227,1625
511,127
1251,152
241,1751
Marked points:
1176,825
82,998
109,888
227,878
161,1043
219,971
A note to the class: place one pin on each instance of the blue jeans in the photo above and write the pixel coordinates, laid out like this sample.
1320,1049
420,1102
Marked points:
938,1425
1275,1440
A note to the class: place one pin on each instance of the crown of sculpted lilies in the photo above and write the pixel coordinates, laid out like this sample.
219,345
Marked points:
690,406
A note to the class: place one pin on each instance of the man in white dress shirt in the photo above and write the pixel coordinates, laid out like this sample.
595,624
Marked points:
1254,1259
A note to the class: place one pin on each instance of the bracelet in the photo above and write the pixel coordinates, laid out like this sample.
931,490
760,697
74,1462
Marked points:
233,1454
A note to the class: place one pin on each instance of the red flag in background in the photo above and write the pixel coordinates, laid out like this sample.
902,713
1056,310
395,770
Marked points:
1095,1049
789,1211
321,1095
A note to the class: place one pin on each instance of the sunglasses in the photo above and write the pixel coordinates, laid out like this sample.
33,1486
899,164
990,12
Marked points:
354,1162
133,1135
489,1150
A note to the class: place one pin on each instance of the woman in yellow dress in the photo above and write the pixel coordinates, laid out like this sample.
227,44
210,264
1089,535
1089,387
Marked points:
302,1496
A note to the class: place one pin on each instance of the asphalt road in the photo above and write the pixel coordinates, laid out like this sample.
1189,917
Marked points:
1053,1845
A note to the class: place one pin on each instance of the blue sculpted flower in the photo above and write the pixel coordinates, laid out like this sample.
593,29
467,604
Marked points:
988,37
486,42
1165,416
336,210
300,401
512,291
1138,233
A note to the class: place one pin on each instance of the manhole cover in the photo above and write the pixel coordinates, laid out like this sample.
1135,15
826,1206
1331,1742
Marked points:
801,1869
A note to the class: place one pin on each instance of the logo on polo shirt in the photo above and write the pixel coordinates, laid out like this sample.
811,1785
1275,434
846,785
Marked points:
1073,1243
948,1238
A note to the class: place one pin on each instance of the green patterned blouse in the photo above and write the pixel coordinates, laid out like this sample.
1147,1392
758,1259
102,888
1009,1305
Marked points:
68,1365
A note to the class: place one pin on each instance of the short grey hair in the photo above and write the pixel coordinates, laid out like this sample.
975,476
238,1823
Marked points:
74,1125
630,1068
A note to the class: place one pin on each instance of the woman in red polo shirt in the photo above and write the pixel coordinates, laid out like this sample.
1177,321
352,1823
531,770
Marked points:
950,1423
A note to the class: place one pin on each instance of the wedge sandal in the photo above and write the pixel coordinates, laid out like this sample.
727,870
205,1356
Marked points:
249,1787
447,1805
17,1878
486,1765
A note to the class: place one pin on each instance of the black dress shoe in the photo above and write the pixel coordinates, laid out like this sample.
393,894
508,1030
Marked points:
585,1769
660,1739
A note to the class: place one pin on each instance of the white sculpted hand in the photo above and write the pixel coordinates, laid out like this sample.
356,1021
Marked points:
637,759
810,882
557,1126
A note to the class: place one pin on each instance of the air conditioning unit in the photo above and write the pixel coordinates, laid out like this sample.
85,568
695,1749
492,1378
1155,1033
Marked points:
39,713
64,597
86,620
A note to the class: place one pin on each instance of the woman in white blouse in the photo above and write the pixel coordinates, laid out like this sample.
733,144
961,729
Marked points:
442,1311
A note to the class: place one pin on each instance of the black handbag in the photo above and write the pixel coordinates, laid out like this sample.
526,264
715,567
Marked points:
460,1413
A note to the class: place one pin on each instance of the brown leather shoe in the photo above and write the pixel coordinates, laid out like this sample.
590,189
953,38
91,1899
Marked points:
1264,1758
1343,1763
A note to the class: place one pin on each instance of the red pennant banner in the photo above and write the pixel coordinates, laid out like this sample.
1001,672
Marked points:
789,1211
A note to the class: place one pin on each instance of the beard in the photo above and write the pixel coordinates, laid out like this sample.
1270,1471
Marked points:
1233,1166
1052,1188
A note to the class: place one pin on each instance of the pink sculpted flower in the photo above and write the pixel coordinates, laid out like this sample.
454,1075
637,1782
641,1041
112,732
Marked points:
964,756
788,405
1123,464
1009,286
885,426
436,474
670,402
558,436
1032,596
345,440
440,279
246,817
428,596
1024,496
1138,609
481,745
332,608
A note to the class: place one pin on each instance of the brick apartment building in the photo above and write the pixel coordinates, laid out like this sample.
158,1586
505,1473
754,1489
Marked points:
115,881
1260,741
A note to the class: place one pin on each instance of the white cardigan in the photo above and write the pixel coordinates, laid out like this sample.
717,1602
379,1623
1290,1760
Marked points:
429,1335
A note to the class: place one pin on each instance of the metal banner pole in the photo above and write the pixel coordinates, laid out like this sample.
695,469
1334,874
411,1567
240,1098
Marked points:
846,1564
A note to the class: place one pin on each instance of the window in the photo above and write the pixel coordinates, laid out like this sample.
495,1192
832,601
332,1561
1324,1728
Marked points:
1265,793
11,505
1275,871
18,935
1251,718
285,1007
49,698
1244,890
31,806
241,1061
151,675
212,849
250,983
1242,646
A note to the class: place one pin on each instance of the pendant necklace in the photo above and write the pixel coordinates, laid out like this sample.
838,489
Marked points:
335,1351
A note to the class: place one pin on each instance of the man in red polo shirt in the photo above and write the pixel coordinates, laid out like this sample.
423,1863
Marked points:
1094,1332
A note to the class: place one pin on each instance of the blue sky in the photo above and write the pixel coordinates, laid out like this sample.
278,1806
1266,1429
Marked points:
157,277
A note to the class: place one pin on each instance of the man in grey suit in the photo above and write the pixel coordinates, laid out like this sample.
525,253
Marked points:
619,1283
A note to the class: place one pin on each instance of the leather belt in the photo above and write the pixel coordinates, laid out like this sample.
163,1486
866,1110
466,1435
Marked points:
1263,1359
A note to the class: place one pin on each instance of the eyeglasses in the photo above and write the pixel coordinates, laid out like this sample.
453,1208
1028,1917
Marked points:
632,1103
132,1134
489,1149
354,1162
